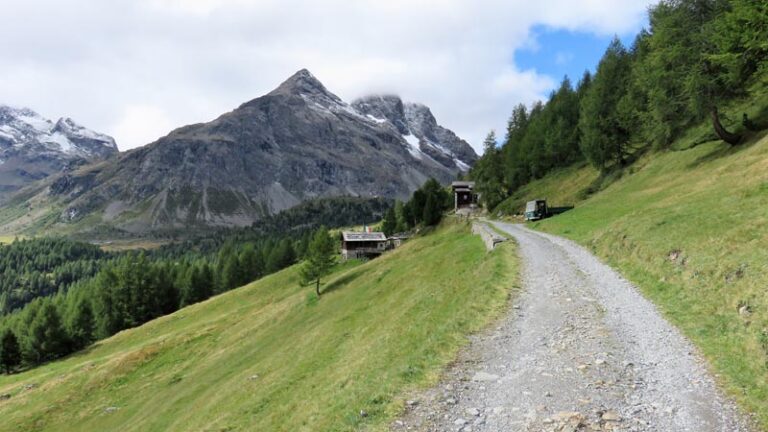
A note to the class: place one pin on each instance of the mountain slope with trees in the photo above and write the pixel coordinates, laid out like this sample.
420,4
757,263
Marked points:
59,295
683,80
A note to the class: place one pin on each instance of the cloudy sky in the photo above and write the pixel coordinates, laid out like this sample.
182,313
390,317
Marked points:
138,68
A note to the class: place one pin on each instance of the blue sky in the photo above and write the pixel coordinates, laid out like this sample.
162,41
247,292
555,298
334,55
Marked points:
557,52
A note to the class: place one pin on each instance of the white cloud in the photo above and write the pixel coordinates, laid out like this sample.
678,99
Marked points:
141,124
108,64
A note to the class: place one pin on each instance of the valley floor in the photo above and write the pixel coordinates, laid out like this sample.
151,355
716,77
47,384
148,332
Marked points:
580,350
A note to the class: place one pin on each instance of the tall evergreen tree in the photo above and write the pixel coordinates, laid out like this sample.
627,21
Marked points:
489,174
10,352
400,216
82,327
320,259
199,286
389,224
232,273
252,263
432,211
47,337
604,140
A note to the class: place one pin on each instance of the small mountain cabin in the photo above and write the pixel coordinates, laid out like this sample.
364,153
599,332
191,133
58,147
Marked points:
362,244
397,240
464,195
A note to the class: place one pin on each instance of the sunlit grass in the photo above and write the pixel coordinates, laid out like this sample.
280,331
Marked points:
271,357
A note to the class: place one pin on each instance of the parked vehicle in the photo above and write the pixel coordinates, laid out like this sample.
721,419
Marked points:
535,210
538,209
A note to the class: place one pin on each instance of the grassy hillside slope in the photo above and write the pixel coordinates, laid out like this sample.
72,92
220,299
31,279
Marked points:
563,187
691,229
271,357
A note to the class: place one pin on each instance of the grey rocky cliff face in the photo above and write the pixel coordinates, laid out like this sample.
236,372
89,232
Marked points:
296,143
33,147
416,120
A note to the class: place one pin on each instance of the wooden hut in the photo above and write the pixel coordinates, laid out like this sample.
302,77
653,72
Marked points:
464,195
362,244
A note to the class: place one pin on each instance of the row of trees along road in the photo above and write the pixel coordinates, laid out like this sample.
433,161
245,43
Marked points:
695,56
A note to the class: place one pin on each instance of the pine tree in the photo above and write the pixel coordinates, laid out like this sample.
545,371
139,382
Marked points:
48,340
281,256
604,140
402,221
199,285
10,352
389,224
321,257
432,212
489,174
232,274
82,327
489,144
252,264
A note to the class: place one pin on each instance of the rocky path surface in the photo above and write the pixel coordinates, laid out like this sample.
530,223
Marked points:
580,350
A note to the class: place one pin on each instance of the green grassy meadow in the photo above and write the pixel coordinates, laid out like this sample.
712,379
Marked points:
690,228
270,356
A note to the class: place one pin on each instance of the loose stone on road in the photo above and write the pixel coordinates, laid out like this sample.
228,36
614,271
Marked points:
580,350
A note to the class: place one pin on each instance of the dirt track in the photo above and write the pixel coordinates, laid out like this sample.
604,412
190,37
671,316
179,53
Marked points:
580,350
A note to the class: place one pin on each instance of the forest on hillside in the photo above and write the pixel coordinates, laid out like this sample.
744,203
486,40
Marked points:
695,57
58,295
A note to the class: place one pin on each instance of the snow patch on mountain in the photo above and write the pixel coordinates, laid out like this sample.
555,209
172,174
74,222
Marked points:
413,146
24,128
462,166
62,142
376,119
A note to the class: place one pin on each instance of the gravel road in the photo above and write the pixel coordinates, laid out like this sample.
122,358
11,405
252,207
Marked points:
580,350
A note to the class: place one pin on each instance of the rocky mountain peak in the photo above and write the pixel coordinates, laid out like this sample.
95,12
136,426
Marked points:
298,142
33,147
419,129
302,83
92,142
389,107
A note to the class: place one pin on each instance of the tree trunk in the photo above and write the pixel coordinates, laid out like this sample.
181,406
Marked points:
317,287
730,138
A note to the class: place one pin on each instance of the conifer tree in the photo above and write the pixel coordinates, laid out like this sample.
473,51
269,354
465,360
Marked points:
389,224
432,211
10,352
604,140
82,327
47,338
232,273
321,257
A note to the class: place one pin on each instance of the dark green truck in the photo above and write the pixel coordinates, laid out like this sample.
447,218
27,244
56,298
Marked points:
538,209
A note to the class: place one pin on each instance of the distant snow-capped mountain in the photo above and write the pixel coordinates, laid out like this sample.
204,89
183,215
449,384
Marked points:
33,147
297,143
418,127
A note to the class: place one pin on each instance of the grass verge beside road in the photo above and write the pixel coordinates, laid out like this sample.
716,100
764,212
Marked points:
690,228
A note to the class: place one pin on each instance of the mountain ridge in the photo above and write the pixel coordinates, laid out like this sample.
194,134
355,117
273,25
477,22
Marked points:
33,147
296,143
